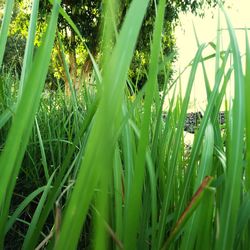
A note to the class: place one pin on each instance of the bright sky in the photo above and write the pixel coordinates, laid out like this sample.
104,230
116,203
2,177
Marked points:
206,29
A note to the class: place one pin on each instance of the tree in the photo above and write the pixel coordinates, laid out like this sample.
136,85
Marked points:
87,15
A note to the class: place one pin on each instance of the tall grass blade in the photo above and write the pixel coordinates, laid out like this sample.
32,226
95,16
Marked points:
9,4
243,220
44,161
134,202
231,199
200,133
63,172
207,85
195,201
168,192
29,50
193,226
247,105
97,156
27,242
99,232
21,207
20,130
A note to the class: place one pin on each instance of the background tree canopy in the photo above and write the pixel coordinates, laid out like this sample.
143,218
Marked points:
87,16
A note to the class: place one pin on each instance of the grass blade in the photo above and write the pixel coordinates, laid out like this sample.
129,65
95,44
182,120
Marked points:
5,27
21,207
231,199
134,202
179,132
27,242
193,227
98,156
247,105
29,50
195,201
200,133
18,136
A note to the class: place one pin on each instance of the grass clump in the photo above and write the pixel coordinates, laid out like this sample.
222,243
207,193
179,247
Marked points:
106,171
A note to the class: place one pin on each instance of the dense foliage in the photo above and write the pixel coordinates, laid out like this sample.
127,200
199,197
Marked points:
87,16
107,170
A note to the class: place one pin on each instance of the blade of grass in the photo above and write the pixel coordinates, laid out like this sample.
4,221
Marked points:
247,105
195,201
9,5
97,156
66,68
100,237
198,138
231,199
29,48
167,189
119,194
206,213
35,217
134,202
64,171
153,191
192,228
243,219
21,207
20,130
44,161
207,85
153,195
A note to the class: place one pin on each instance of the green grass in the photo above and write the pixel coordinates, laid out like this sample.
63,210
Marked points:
105,170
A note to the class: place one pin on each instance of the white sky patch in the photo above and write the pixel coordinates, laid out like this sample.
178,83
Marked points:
206,28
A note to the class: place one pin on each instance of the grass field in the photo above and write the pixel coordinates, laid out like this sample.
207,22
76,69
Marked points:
105,170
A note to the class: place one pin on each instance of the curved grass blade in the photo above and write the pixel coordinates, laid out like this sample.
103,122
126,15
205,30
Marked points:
29,49
207,85
195,201
21,207
12,155
134,202
63,173
231,199
167,189
247,105
44,161
5,27
200,133
97,155
35,217
192,228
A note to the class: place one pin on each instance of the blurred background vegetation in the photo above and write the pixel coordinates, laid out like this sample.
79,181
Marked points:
87,15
